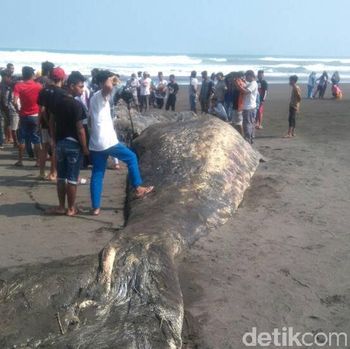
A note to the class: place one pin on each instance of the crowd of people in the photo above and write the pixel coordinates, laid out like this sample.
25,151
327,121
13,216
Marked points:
318,86
237,98
65,118
69,119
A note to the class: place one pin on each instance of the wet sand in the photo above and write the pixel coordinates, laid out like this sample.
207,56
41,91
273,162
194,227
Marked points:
282,260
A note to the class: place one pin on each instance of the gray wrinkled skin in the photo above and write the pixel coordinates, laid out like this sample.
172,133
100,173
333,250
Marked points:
130,296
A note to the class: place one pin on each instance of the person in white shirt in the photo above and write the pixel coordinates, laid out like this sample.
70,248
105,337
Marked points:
104,143
193,88
160,90
250,92
145,91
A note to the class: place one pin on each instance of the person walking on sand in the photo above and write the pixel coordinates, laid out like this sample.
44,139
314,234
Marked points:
69,139
294,106
104,143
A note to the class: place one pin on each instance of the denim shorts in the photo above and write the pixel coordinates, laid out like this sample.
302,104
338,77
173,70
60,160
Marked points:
29,130
69,156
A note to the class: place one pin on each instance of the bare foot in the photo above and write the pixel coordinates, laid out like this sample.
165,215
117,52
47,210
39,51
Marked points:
51,177
71,212
55,211
141,192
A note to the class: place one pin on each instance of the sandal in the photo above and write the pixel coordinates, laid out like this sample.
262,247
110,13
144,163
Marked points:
95,211
143,191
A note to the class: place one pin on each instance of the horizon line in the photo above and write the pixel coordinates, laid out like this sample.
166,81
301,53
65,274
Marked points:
162,53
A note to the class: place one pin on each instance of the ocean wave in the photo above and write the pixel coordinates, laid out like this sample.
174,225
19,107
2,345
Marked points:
180,65
295,59
222,60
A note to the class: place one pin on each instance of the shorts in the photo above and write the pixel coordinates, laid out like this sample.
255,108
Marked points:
29,130
14,120
45,136
69,156
237,117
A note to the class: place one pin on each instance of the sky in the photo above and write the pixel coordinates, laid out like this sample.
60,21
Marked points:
244,27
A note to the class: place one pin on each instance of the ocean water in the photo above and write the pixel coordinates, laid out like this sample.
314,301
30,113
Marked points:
277,69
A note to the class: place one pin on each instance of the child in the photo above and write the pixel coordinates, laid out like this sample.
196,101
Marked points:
294,105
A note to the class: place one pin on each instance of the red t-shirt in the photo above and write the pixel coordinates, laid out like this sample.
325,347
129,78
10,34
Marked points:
28,93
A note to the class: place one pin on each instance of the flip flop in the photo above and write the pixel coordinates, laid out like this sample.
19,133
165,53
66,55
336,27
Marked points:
144,192
95,212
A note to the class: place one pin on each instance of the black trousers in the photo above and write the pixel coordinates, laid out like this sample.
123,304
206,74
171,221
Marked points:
170,103
160,102
292,117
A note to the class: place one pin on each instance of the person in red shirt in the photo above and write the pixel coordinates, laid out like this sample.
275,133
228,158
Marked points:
25,98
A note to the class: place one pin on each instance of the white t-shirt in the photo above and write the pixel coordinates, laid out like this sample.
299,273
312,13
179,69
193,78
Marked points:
193,86
102,133
249,99
161,88
145,87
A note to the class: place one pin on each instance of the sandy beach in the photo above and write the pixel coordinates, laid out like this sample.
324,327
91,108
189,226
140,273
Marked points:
281,261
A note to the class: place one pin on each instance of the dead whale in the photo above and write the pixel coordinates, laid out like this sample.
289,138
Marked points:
129,296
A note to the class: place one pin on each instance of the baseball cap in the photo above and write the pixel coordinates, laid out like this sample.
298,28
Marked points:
58,74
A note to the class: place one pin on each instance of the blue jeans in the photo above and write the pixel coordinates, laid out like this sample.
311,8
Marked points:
309,91
1,130
69,155
99,162
29,130
193,103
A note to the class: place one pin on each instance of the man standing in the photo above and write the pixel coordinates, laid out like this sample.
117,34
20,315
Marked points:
206,92
104,142
47,101
193,91
262,87
249,106
68,135
8,109
294,106
173,89
25,97
220,89
160,90
145,91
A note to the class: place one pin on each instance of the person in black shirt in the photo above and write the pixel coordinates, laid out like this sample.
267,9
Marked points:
68,134
47,100
173,89
262,87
